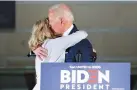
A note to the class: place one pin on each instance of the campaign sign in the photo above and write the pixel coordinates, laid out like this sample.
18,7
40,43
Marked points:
85,76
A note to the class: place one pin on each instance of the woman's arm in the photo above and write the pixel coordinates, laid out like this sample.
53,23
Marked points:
70,40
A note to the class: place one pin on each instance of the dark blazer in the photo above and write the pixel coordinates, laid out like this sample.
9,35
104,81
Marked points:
83,48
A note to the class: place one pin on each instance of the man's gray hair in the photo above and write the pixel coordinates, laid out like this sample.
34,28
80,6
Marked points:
62,10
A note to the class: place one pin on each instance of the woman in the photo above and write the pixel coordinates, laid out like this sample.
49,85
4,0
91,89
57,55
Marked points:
43,35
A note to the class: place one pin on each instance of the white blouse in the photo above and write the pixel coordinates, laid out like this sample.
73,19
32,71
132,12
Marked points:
56,51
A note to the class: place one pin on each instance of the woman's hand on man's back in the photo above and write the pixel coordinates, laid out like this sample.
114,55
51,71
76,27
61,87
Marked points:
41,52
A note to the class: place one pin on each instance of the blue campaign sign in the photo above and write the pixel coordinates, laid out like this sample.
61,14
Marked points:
85,76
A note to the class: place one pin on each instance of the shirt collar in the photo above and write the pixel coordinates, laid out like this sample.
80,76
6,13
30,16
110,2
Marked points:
68,31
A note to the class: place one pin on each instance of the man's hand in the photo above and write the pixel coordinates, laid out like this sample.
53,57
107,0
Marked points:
41,52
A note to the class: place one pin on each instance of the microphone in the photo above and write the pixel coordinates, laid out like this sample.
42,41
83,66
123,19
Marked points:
78,56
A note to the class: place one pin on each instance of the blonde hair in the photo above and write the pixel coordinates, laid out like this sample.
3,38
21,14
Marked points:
40,32
62,10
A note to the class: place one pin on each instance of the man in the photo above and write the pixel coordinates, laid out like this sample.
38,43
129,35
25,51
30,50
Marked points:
61,20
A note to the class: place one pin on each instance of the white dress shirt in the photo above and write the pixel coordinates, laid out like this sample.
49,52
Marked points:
56,51
66,33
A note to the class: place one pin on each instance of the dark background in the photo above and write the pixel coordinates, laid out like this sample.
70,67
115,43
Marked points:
7,14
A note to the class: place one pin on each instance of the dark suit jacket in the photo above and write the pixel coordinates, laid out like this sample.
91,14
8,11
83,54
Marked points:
84,47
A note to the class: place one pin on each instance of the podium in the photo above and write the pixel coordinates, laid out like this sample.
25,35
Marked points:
85,76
